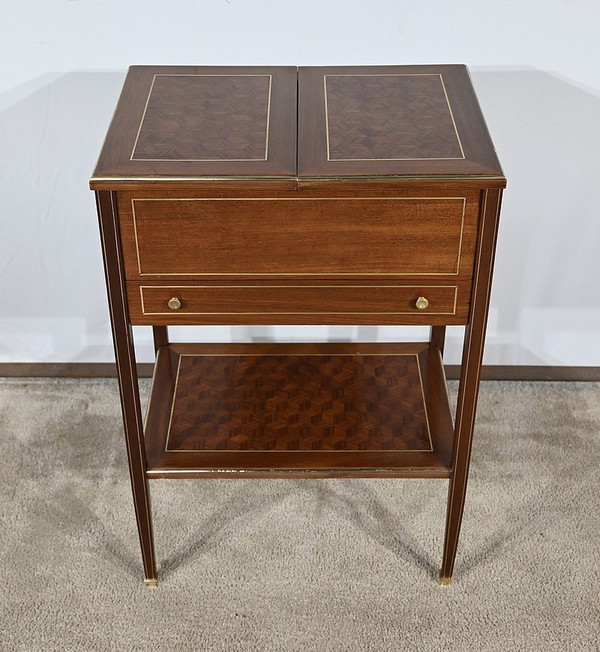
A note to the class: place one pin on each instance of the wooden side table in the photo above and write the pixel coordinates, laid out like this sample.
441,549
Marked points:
278,195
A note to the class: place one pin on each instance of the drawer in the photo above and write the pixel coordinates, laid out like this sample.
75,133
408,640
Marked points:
318,303
244,237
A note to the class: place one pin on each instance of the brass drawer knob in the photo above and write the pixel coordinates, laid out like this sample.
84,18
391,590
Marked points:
422,303
174,303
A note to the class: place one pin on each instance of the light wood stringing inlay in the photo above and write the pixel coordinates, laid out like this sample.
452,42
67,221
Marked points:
247,288
453,272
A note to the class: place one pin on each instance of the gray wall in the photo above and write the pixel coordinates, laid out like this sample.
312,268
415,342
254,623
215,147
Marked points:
535,69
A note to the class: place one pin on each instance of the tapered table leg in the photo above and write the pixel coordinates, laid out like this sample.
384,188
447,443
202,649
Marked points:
160,335
437,337
127,374
469,377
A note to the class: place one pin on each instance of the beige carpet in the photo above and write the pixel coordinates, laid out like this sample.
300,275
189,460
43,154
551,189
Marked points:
299,565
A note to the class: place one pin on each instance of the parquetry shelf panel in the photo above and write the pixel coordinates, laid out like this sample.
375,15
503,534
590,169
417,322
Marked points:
291,402
277,406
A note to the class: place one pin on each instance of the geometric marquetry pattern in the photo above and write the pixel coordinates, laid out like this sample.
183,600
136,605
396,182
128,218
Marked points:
195,117
389,117
299,402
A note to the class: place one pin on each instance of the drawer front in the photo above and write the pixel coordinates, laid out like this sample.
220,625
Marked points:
244,237
318,303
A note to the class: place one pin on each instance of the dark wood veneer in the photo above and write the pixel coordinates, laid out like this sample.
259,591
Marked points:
389,117
384,212
173,133
300,302
205,118
392,120
299,236
287,407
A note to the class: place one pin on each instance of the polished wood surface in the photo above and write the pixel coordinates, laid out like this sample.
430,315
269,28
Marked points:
388,117
178,125
205,118
311,196
403,234
160,335
469,377
301,302
437,337
193,121
128,382
391,120
338,408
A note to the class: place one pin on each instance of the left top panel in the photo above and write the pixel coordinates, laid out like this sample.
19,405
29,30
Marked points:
190,122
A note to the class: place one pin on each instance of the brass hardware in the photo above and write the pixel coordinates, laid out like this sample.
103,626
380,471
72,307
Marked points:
151,583
445,581
422,303
174,303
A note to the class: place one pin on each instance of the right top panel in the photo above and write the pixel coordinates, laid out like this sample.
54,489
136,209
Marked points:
392,121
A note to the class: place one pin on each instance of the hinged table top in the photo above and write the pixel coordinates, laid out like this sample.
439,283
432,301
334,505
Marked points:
285,123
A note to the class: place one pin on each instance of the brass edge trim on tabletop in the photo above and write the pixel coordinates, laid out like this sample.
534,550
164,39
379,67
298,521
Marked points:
312,179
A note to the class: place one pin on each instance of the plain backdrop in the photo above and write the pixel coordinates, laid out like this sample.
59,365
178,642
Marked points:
535,66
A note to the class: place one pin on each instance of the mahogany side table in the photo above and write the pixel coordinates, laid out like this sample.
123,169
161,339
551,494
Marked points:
276,195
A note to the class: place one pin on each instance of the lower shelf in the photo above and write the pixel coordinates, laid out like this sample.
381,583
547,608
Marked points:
320,410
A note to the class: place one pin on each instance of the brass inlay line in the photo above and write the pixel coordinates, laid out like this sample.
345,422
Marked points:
462,151
137,137
409,158
139,430
308,312
268,120
133,158
152,382
326,116
424,402
263,450
206,199
441,357
173,403
459,426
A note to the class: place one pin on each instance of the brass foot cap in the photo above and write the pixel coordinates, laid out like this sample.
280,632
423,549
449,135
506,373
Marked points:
445,581
151,583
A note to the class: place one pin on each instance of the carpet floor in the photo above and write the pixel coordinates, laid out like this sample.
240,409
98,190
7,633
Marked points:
299,564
